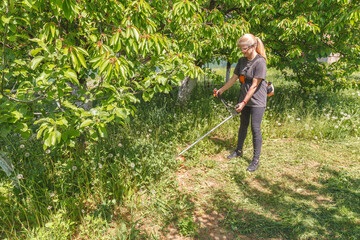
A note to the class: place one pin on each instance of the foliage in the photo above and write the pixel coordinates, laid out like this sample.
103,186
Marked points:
297,33
119,45
72,67
187,226
58,227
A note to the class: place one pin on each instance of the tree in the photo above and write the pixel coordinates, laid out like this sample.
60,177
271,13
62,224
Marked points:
209,33
297,33
113,51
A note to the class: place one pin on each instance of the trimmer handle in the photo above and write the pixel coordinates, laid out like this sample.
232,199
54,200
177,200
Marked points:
215,90
216,95
233,112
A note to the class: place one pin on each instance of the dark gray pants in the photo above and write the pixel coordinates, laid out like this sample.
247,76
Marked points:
256,114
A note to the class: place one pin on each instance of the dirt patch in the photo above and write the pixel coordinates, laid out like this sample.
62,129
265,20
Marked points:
199,182
210,226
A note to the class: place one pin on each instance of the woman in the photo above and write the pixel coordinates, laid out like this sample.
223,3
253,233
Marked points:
251,71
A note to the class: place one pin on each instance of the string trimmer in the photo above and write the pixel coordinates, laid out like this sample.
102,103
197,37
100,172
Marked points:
233,113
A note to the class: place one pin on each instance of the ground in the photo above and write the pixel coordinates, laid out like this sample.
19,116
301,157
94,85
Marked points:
297,192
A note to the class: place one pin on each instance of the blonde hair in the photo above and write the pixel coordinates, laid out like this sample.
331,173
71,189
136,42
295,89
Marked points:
250,40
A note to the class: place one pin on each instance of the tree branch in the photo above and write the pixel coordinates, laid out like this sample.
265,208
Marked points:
7,45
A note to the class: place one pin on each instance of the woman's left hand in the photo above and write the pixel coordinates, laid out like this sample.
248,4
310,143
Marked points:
240,106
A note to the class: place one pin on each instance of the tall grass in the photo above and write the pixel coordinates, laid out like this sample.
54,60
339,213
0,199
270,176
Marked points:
65,192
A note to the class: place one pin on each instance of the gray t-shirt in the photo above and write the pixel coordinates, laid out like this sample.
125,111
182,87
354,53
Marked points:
255,68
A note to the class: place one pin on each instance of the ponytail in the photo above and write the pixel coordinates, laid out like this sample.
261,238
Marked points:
260,49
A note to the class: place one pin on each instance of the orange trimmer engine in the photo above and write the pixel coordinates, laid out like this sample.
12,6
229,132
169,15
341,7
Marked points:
242,78
270,89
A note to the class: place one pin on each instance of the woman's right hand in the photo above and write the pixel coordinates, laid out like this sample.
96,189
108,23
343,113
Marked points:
220,91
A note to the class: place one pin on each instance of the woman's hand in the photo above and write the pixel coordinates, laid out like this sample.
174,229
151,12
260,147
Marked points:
220,91
239,106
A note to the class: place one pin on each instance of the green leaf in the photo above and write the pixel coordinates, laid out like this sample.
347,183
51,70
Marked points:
52,28
114,39
29,3
146,96
58,136
108,86
96,59
41,130
121,113
52,137
6,165
48,137
36,61
71,133
40,43
135,33
162,80
81,59
83,51
103,66
20,62
93,38
6,20
72,74
70,105
128,32
35,51
68,8
16,114
74,61
86,123
58,44
157,45
102,131
62,122
109,72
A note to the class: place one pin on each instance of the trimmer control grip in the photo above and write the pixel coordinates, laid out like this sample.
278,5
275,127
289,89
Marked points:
216,95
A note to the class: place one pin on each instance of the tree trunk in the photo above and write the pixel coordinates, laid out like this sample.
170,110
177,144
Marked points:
228,67
187,85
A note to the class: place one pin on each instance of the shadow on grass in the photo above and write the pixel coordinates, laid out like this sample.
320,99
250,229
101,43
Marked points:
229,221
328,210
223,144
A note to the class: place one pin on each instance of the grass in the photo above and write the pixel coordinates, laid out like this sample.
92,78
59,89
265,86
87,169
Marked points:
131,185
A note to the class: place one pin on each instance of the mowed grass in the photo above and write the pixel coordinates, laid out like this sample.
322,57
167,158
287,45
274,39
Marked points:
303,190
131,185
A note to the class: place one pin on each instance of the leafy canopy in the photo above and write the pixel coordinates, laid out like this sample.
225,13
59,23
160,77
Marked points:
72,67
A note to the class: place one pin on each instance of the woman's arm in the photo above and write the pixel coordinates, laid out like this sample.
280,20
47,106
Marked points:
228,84
250,93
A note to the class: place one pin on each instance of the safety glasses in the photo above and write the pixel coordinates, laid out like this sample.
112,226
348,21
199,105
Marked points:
246,48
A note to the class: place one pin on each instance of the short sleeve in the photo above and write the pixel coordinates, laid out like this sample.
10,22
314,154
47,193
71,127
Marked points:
260,69
237,70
